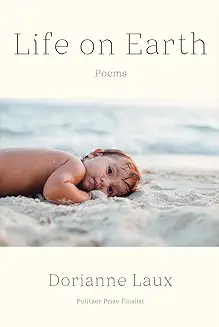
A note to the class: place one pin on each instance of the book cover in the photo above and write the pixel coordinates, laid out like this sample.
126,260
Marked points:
109,163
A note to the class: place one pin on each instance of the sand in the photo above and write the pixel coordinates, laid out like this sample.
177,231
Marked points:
172,208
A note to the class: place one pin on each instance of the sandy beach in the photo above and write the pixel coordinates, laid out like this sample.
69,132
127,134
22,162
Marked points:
172,208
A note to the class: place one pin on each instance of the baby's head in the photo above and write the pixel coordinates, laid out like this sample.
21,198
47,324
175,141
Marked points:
110,171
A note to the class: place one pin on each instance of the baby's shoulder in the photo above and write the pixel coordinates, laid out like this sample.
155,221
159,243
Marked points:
75,163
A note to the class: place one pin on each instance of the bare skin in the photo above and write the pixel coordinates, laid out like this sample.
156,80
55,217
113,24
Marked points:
60,176
53,173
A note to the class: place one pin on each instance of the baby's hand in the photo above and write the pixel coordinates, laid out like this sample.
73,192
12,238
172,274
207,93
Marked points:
97,195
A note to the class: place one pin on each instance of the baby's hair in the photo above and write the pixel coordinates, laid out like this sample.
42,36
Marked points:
132,170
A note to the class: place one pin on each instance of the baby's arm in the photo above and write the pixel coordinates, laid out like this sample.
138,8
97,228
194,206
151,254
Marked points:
60,186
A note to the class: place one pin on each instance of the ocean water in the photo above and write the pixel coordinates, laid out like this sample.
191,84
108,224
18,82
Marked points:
80,128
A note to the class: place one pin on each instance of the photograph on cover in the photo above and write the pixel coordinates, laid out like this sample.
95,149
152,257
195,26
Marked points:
108,173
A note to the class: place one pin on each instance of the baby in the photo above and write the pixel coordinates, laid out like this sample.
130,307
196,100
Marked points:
64,178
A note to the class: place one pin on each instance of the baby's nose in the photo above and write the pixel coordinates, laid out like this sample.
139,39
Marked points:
103,182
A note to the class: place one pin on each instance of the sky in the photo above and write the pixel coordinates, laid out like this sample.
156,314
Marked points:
177,103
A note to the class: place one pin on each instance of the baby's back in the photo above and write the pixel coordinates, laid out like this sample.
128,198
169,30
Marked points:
25,171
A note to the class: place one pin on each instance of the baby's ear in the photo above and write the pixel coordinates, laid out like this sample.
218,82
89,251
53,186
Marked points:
96,153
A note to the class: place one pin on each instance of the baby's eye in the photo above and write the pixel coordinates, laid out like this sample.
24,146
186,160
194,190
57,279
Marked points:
109,171
110,190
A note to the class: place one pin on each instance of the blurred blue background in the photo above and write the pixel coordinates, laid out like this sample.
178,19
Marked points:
82,127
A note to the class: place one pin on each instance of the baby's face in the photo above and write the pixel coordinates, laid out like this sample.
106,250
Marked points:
106,174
